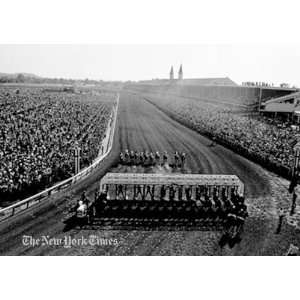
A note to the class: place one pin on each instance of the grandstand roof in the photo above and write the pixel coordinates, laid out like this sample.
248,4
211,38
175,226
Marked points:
207,81
284,98
283,104
193,81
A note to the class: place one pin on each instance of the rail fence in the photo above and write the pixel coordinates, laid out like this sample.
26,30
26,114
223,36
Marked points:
105,148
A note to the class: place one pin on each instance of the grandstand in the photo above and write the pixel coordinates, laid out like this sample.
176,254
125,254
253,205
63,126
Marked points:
191,81
218,89
207,81
288,106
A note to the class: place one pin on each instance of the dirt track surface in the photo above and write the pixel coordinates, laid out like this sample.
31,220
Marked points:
142,126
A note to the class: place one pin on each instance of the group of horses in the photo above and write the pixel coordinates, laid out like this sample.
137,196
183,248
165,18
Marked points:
148,158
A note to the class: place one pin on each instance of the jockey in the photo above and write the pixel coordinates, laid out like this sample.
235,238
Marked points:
136,155
165,157
146,156
126,155
157,155
152,158
142,157
183,156
131,155
176,158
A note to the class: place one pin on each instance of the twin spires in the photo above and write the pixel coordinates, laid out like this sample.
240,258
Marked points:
172,73
180,73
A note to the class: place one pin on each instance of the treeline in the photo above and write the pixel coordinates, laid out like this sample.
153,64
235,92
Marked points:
21,78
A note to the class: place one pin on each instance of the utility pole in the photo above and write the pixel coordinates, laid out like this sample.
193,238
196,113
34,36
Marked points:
77,158
295,174
259,100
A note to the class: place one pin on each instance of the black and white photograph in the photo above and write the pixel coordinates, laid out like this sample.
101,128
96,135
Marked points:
149,149
154,157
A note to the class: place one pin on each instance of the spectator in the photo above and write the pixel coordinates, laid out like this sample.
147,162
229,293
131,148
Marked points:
38,130
266,141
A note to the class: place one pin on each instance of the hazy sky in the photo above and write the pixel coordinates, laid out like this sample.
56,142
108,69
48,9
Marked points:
240,62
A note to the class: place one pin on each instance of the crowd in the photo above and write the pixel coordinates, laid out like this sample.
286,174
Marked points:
258,84
266,141
38,132
266,84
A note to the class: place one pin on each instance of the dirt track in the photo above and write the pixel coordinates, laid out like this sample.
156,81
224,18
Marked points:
143,126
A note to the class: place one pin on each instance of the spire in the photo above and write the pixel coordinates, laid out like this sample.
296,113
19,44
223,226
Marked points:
172,73
180,73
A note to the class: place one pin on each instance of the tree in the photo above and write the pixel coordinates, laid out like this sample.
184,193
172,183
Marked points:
20,78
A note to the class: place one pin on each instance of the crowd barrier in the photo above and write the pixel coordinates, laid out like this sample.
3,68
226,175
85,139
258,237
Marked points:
105,148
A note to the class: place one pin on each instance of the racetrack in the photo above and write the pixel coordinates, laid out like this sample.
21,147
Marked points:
141,126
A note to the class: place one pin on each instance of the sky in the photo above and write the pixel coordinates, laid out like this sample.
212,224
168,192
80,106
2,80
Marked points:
273,63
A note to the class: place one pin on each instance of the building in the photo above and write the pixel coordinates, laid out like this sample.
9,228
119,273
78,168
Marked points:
288,106
180,73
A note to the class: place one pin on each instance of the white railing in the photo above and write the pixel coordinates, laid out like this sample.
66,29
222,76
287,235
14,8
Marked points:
106,143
